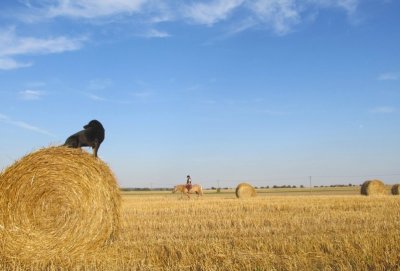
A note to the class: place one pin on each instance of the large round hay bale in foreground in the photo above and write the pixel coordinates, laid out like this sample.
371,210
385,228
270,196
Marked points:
395,189
245,190
373,187
57,203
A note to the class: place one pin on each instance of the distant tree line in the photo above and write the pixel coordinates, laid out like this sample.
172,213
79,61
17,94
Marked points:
337,185
127,189
218,189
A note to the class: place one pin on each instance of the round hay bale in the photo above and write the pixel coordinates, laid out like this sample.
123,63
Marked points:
373,187
396,189
245,190
57,203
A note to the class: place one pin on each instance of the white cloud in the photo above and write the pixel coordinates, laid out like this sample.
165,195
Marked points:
23,125
7,63
241,26
211,13
93,8
96,97
31,94
283,15
348,5
154,33
383,110
280,14
12,45
389,76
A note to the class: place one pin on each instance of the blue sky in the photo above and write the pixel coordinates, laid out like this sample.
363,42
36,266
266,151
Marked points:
265,91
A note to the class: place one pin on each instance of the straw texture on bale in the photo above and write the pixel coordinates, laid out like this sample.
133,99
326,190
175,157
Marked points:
396,189
373,187
245,190
57,202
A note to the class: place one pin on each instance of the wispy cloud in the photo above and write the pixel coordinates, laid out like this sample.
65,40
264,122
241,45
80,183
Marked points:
389,76
31,94
241,26
23,125
93,8
95,97
7,63
13,45
278,16
154,33
383,110
211,12
349,5
281,16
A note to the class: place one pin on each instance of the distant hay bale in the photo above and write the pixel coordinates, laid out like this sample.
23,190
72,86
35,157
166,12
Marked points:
373,187
57,202
245,190
396,189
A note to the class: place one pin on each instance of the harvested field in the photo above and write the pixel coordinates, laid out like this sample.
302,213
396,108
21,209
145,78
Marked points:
161,232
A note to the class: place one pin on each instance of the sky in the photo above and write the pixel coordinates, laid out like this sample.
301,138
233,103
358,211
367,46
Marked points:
269,92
